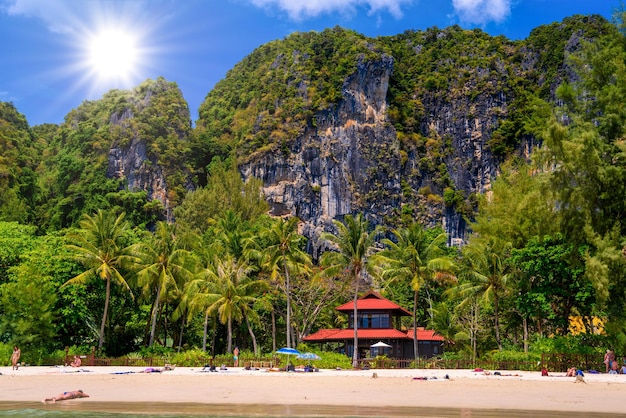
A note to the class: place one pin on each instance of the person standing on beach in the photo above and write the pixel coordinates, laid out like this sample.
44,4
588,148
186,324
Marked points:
236,357
15,357
609,357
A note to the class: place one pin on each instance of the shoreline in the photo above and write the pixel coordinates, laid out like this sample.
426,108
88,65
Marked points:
398,392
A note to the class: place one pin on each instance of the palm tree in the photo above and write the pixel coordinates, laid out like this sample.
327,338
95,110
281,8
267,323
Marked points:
198,296
99,246
231,233
354,242
283,256
162,268
415,256
485,267
230,291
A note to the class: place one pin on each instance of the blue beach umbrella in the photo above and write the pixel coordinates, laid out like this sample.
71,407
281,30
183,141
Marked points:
308,356
289,351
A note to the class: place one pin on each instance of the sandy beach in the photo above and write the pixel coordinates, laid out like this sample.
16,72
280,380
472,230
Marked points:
361,393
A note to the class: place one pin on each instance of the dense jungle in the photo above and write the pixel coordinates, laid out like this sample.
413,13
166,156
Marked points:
476,181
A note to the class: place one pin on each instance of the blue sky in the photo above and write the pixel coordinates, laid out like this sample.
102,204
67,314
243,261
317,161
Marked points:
52,59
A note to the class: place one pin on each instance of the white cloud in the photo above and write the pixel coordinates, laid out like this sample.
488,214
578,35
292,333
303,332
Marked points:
481,12
51,12
300,9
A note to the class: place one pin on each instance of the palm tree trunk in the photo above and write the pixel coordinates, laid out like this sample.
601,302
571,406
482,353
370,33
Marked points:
206,327
155,312
415,342
497,320
273,330
213,337
525,325
230,333
182,329
287,291
106,311
355,351
254,345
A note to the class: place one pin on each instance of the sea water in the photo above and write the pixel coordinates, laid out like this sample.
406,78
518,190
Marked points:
187,410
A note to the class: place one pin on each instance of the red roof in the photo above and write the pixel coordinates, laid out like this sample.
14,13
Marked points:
425,335
363,333
372,301
336,334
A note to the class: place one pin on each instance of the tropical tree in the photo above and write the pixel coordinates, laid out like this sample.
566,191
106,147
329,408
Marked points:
354,243
417,257
230,233
231,291
284,256
99,246
486,270
162,267
313,297
446,322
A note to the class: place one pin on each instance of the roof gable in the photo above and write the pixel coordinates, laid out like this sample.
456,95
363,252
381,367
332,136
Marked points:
373,301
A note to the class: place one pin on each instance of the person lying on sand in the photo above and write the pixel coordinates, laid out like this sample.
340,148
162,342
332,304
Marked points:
167,367
67,395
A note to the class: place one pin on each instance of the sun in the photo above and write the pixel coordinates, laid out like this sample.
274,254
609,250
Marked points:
113,54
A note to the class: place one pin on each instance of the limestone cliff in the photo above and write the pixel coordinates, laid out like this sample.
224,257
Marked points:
364,154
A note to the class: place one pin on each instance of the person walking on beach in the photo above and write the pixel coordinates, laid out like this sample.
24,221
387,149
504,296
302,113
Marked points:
236,357
67,395
15,357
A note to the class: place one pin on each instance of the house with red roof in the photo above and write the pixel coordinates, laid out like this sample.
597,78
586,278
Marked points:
378,320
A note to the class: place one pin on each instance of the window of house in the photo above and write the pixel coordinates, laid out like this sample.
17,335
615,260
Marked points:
371,320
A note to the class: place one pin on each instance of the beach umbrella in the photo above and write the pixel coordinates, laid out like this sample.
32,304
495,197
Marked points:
380,347
288,351
308,356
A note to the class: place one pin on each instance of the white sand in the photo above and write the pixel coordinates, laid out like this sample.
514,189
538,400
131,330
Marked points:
601,393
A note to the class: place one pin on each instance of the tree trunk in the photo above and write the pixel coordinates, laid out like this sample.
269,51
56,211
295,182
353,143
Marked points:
213,339
273,330
230,334
104,315
180,337
355,351
287,291
254,345
497,319
415,342
155,313
206,328
525,325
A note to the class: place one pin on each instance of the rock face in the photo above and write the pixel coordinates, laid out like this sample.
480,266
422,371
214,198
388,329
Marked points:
349,162
140,172
352,159
140,125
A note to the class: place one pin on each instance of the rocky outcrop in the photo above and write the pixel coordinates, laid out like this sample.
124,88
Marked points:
139,126
348,162
352,160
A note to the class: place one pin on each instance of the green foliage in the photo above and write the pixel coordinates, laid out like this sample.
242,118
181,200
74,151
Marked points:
28,324
219,197
516,356
572,344
269,97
